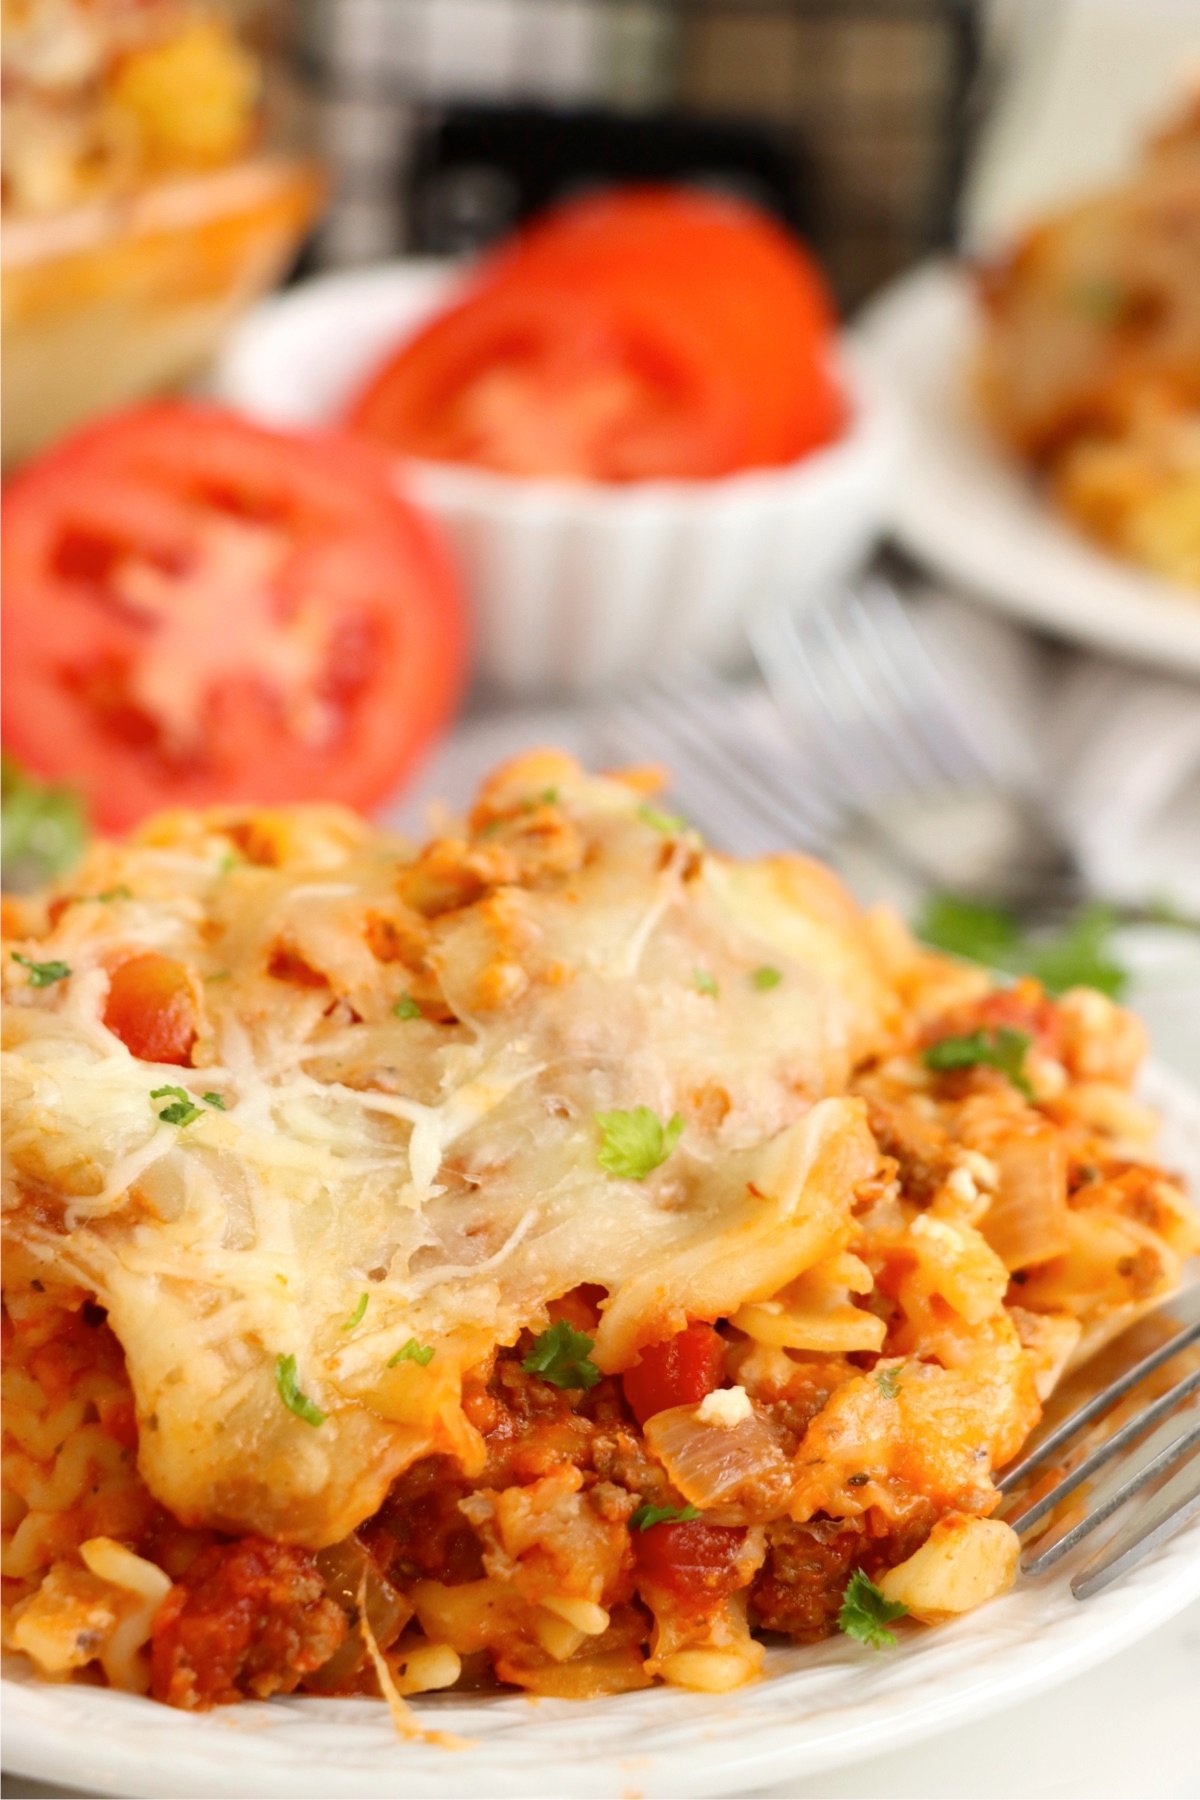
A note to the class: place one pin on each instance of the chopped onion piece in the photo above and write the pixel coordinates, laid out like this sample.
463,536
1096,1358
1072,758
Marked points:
735,1474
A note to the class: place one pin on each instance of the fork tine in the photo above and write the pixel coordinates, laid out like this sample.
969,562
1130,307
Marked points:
904,652
730,780
1103,1453
1167,1446
802,691
832,664
1182,1306
1174,1506
905,683
799,799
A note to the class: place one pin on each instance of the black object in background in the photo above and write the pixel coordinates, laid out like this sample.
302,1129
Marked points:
477,171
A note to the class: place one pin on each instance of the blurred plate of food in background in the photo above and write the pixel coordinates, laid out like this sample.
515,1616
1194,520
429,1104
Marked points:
147,201
1052,401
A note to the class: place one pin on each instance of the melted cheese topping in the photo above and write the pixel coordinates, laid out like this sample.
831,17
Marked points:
563,952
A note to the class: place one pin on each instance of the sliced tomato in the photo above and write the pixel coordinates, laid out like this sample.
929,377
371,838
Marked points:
696,1563
640,334
515,381
677,1372
200,610
151,1007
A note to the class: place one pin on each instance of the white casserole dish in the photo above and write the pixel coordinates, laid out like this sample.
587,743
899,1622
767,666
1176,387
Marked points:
575,585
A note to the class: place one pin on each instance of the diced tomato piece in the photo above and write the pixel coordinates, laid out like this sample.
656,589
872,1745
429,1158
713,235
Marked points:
151,1007
248,1618
677,1372
696,1563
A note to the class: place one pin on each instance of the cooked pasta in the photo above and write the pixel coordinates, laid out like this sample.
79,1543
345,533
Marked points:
549,1256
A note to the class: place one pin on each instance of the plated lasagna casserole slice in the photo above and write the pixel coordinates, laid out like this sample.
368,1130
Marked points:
553,1256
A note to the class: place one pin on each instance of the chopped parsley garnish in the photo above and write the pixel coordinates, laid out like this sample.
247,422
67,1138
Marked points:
356,1317
42,974
560,1355
865,1614
106,895
888,1382
646,1516
547,797
491,827
220,975
406,1008
183,1109
411,1352
705,982
1077,956
228,863
289,1393
1100,300
636,1142
766,977
670,824
42,829
1002,1049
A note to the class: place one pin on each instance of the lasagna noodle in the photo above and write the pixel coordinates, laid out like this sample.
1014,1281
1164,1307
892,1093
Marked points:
446,1166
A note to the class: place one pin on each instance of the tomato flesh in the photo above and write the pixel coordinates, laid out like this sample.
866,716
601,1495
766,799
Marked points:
650,333
696,1563
199,610
679,1371
151,1008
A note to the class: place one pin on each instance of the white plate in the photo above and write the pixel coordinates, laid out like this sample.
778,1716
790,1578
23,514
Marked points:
964,507
817,1708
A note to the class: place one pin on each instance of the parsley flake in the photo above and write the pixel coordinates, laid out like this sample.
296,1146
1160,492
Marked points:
42,974
646,1516
888,1382
865,1614
183,1109
289,1393
636,1142
1100,300
766,977
406,1008
560,1356
356,1317
670,824
547,797
411,1352
1002,1049
106,895
705,982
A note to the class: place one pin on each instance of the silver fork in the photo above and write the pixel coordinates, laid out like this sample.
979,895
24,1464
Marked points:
1157,1447
892,739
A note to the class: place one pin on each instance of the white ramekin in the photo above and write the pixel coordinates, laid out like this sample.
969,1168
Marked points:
576,585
